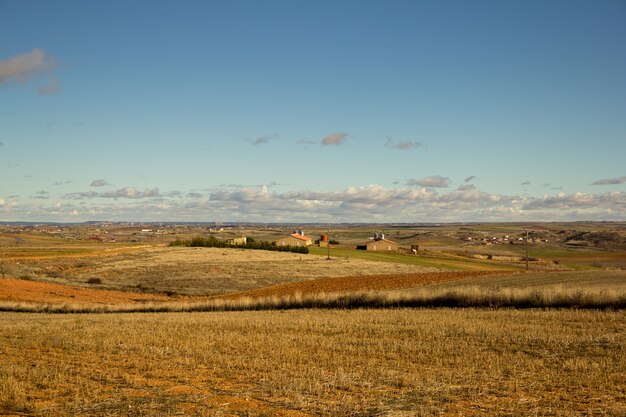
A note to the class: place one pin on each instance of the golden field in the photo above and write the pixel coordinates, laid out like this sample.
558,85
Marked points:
233,332
400,362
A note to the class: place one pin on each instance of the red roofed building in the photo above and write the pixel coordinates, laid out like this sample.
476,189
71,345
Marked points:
297,238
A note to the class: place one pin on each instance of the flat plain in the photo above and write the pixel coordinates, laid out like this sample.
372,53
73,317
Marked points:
309,361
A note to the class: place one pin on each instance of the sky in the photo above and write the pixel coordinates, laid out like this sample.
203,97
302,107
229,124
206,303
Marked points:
325,111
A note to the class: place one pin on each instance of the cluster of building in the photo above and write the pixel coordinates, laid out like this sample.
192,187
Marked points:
506,239
376,243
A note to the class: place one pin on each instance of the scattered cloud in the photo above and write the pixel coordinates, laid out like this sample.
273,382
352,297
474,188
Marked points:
43,195
402,145
99,183
126,192
372,203
525,183
231,185
263,139
610,181
131,192
57,183
306,142
466,187
335,138
52,87
24,67
81,195
434,181
609,202
7,203
470,178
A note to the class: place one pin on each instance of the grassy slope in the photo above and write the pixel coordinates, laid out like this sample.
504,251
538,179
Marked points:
600,280
432,259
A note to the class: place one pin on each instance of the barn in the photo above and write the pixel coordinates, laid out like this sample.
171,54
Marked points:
237,241
297,238
380,244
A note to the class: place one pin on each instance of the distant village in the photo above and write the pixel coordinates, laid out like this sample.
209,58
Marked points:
406,240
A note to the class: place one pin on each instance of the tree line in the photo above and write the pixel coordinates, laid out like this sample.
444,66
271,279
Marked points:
213,242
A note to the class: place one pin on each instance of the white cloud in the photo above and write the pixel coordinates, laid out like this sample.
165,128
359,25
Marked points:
7,204
434,181
335,138
372,203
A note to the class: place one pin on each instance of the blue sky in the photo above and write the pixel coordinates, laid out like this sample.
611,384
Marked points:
404,111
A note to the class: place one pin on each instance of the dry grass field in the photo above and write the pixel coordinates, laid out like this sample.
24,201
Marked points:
401,362
195,271
326,337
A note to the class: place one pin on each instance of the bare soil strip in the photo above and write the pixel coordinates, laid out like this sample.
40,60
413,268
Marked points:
42,292
13,290
361,283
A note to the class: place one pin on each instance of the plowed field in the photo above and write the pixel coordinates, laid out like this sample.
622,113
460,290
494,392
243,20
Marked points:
362,283
42,292
12,290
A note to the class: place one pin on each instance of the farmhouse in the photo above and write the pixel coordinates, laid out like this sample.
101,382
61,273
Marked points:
379,243
237,241
297,238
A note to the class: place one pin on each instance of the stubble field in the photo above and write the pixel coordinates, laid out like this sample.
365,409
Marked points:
342,360
401,362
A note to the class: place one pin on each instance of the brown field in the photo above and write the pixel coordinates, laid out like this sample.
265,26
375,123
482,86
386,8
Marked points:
400,362
196,271
12,290
363,283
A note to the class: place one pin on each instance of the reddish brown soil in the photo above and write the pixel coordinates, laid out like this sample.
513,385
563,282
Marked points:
362,283
43,292
12,290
